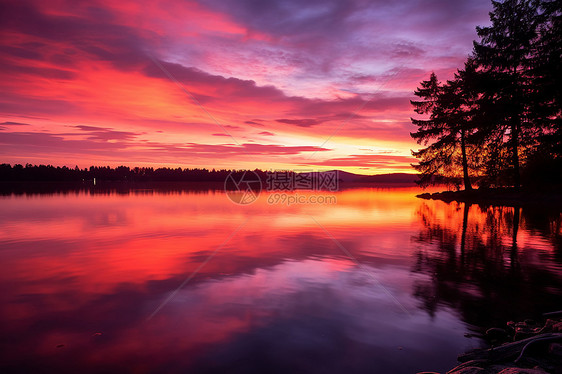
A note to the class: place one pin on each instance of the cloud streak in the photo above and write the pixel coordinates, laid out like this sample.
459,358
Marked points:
295,71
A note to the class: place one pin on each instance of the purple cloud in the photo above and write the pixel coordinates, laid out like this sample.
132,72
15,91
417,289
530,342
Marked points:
305,122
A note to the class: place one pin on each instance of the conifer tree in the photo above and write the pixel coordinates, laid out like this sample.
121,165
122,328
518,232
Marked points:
450,109
505,53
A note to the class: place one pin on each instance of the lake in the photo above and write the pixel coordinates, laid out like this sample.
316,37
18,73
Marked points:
187,281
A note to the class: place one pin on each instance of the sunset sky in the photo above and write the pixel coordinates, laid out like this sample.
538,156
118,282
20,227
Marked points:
320,84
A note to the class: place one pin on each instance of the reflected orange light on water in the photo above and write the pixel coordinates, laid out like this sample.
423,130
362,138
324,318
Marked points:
77,264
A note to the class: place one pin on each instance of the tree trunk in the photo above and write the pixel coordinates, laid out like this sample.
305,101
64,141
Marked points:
466,179
515,153
515,126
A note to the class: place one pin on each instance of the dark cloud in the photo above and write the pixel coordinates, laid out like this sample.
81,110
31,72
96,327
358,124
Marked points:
92,34
17,143
14,124
221,150
353,107
290,17
266,133
331,18
305,122
407,49
16,69
376,160
254,123
319,110
226,88
105,134
21,52
124,145
322,36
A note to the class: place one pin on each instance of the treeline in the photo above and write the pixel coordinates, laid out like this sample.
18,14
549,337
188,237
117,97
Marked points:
49,173
498,121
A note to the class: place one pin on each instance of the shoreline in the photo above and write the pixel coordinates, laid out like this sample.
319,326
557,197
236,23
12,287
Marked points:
517,348
499,196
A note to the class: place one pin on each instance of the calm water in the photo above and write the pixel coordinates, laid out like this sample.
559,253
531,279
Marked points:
190,282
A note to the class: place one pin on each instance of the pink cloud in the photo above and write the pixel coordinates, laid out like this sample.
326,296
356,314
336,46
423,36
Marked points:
290,69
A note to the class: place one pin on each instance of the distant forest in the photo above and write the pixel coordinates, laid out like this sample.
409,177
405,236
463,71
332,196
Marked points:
498,121
49,173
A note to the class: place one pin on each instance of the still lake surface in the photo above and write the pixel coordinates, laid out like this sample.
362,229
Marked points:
187,281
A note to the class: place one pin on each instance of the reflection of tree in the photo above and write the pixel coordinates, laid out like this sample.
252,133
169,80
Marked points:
546,224
475,264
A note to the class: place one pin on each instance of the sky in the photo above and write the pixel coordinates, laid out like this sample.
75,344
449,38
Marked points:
287,84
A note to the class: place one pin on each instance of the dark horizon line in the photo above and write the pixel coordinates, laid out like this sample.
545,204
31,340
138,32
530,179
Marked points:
198,168
50,173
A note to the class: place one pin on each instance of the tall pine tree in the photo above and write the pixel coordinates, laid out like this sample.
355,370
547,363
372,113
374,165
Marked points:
505,53
449,111
435,156
547,76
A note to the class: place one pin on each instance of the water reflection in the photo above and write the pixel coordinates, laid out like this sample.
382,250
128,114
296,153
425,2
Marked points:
80,273
490,263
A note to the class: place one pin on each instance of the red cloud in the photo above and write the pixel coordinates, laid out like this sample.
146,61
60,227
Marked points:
308,77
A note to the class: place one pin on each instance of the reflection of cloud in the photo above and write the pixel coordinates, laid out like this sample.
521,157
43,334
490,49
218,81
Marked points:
282,291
